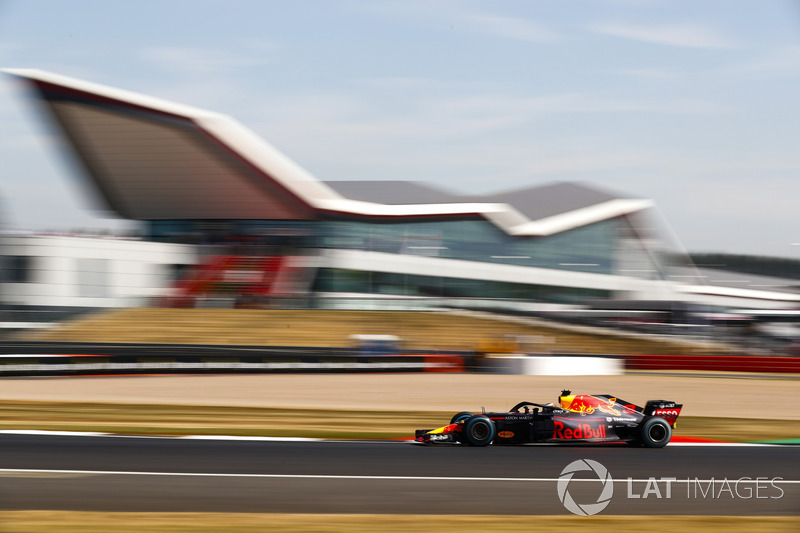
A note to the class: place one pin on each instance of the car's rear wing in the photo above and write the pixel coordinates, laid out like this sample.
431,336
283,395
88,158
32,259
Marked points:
665,409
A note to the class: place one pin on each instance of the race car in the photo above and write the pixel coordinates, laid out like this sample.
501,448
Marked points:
575,418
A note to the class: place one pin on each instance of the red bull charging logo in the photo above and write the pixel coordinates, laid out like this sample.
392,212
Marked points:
584,403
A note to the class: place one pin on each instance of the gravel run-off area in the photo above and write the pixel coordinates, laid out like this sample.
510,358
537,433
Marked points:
701,396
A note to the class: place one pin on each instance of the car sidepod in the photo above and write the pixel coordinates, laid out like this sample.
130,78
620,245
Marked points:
579,427
522,428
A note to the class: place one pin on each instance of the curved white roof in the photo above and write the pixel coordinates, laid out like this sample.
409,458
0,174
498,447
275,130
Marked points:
157,160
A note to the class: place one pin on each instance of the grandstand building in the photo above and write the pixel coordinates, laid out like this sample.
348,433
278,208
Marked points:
261,227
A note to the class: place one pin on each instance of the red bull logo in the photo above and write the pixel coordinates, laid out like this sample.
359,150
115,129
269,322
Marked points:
584,403
580,431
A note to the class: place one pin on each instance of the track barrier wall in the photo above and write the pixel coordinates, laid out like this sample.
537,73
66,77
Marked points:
714,363
65,359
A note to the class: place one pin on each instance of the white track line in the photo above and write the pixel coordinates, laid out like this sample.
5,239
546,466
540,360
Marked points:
311,439
255,438
53,433
122,436
22,471
728,444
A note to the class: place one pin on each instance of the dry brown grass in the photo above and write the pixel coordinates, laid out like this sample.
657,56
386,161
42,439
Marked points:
322,423
424,391
418,330
96,522
209,420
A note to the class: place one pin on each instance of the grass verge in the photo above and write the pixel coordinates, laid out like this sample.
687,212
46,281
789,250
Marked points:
320,327
321,423
90,522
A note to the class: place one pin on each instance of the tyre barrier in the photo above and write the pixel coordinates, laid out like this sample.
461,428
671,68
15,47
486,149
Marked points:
72,359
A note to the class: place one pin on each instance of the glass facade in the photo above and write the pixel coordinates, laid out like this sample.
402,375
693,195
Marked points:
16,268
274,233
359,281
614,246
606,247
588,249
626,246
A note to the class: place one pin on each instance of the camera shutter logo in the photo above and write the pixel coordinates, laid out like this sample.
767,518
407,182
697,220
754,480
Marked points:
586,509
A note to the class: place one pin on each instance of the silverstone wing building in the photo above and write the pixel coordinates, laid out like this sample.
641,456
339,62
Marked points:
253,217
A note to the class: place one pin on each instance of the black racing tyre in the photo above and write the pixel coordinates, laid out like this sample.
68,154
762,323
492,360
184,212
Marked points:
479,430
654,432
460,416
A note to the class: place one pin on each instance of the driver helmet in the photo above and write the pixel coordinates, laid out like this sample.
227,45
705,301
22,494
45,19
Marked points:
563,399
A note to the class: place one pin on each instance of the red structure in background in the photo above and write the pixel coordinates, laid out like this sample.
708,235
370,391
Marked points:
248,279
726,363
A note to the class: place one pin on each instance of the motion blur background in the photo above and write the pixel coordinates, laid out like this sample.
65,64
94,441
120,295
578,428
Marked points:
631,131
343,198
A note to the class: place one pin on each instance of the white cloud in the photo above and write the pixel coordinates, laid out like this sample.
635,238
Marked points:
402,84
198,60
484,132
507,27
651,74
682,35
488,140
523,108
780,61
457,16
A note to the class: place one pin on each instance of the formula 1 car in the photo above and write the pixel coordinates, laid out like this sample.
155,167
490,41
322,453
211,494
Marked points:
576,418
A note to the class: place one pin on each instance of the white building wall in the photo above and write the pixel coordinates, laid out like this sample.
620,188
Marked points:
126,273
739,298
619,286
67,271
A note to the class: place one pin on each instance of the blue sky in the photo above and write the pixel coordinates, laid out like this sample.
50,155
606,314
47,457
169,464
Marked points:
692,104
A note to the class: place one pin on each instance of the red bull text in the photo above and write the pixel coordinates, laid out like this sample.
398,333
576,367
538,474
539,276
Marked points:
578,431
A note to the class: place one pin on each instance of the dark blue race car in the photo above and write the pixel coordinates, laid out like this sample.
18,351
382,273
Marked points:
575,418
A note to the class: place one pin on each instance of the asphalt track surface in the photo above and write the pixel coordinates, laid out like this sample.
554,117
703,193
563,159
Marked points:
107,473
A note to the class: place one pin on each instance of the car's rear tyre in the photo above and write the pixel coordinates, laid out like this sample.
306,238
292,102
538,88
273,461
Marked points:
479,430
654,432
458,417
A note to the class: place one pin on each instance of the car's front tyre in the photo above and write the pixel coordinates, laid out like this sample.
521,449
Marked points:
479,430
458,417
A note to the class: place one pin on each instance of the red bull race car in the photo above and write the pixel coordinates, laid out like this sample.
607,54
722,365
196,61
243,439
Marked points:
575,418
